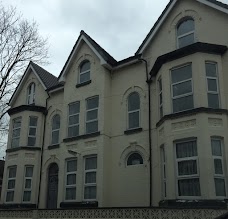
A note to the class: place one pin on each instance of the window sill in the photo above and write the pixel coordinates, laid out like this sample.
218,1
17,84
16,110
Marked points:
18,206
50,147
24,148
91,135
88,204
132,131
83,84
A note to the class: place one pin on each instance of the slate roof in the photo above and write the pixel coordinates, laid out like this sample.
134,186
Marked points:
162,14
47,78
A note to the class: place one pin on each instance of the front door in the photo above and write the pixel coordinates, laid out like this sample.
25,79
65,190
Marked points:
52,193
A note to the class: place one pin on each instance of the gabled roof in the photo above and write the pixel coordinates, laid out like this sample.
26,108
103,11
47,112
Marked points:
45,78
105,58
211,3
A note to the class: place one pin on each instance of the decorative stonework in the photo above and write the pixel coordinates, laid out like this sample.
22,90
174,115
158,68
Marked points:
177,126
72,146
30,155
91,143
215,122
12,156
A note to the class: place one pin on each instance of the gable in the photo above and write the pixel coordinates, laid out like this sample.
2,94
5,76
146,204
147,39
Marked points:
157,26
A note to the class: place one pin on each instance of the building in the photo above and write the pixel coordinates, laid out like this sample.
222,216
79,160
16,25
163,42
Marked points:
148,130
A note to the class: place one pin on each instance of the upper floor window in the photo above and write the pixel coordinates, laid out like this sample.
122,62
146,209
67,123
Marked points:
133,110
160,99
182,90
84,74
185,32
92,105
31,94
16,132
55,129
188,183
212,85
32,131
73,120
134,159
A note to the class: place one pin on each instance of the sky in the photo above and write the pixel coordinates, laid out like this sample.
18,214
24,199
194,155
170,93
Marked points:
119,26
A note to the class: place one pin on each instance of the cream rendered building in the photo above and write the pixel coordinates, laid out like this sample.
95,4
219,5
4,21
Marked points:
149,130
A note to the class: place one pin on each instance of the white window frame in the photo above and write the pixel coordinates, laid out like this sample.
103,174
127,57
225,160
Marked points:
133,111
8,179
160,104
180,82
89,110
55,130
89,184
72,185
84,72
27,189
217,82
33,127
216,157
182,177
75,124
164,172
31,96
185,34
14,129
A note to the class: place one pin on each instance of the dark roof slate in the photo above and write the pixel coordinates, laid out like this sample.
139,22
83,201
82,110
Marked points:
47,78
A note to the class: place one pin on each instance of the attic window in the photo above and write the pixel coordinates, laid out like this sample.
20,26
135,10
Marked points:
31,94
185,32
84,72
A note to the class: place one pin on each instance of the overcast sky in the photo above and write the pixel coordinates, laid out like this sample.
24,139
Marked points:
119,26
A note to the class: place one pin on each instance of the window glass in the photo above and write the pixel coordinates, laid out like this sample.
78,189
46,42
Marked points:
11,183
133,101
32,131
186,149
134,159
84,74
211,70
189,187
73,120
185,27
55,129
220,188
28,184
31,94
16,132
133,110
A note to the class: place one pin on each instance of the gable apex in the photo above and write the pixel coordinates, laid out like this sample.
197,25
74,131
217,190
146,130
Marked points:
105,58
211,3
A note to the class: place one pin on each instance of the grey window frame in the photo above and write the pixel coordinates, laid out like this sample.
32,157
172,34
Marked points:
55,130
32,127
10,179
13,130
28,178
75,124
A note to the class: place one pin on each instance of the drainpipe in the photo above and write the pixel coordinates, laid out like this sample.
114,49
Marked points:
148,81
42,152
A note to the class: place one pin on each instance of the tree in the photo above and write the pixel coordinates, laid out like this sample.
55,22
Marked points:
20,43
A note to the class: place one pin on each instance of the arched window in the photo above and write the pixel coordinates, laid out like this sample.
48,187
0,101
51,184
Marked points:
134,159
84,74
55,129
185,32
133,110
31,94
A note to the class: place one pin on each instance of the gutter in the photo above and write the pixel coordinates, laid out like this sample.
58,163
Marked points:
42,152
148,81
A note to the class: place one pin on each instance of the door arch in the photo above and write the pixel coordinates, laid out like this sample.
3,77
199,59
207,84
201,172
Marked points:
52,191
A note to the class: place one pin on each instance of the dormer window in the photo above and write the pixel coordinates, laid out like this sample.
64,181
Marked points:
84,74
31,94
185,32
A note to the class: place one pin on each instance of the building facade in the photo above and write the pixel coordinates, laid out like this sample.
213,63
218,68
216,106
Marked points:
143,131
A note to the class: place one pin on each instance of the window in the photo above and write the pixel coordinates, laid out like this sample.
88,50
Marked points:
163,165
219,176
134,159
73,122
31,94
187,169
212,85
84,74
160,97
11,184
16,132
71,173
182,90
92,114
55,129
185,32
133,110
28,184
32,131
90,183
